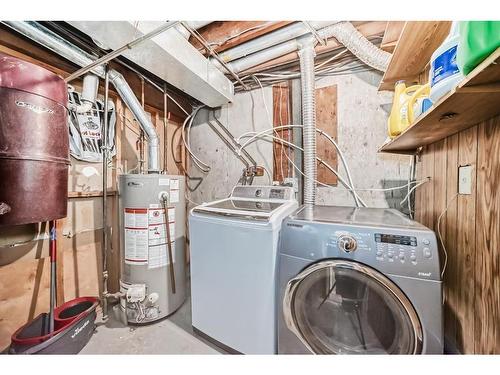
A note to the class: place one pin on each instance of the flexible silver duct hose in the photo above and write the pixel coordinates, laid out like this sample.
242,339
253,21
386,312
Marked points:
306,55
359,46
344,32
147,126
52,41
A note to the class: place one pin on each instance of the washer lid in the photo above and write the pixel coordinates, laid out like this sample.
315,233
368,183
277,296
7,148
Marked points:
383,217
247,209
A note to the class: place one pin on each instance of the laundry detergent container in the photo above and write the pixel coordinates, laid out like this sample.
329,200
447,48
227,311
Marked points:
34,148
478,39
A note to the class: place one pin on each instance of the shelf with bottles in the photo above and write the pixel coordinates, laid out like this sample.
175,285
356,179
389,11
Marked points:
413,51
476,98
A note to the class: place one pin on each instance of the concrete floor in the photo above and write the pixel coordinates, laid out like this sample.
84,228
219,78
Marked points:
172,335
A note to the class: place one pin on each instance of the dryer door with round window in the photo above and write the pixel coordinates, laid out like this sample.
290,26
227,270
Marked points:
345,307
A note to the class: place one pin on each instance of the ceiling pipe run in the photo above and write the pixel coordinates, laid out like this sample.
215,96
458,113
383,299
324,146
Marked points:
192,24
271,39
52,41
343,31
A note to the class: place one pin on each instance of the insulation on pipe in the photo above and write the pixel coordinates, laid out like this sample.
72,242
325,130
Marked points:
306,55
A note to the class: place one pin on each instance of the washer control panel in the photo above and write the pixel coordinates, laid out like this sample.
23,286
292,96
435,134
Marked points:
347,243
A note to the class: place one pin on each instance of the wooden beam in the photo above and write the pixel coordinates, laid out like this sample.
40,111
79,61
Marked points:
368,29
219,31
418,40
391,35
326,120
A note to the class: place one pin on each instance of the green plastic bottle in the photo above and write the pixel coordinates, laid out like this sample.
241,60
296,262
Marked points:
478,39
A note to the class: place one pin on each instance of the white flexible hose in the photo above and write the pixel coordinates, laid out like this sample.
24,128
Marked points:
357,43
307,81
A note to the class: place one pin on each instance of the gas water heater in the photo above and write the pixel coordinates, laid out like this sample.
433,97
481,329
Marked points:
152,226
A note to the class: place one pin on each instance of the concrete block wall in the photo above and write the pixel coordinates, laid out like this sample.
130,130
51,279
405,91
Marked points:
362,124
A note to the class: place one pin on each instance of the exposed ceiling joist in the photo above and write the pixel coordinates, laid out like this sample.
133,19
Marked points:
368,29
228,34
391,35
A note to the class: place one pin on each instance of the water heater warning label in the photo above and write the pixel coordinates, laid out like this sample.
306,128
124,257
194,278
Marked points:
146,237
136,235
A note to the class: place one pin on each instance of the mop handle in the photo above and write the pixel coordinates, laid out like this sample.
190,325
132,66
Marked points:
53,251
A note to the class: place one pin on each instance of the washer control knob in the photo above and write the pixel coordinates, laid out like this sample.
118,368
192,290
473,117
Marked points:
347,243
413,258
425,241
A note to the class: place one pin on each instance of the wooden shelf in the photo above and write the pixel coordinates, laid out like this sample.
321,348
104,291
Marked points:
416,44
475,99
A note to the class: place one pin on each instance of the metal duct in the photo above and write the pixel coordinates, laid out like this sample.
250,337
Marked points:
192,24
271,39
344,32
306,55
55,43
89,94
135,107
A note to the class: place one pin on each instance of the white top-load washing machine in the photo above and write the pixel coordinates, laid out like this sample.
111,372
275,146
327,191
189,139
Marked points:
233,248
358,280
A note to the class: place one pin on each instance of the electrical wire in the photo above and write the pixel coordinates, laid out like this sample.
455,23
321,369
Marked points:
425,180
198,162
357,199
445,263
225,40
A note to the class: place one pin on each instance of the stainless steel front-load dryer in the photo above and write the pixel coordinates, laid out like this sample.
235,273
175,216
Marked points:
358,281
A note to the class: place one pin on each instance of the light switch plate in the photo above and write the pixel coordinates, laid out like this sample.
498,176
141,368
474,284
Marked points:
465,179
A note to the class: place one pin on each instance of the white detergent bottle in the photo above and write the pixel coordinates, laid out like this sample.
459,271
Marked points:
444,74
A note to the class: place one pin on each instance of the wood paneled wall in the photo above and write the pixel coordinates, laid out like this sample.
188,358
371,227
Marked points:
471,233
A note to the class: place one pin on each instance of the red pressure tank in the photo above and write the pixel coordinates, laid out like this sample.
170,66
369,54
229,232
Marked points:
34,143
